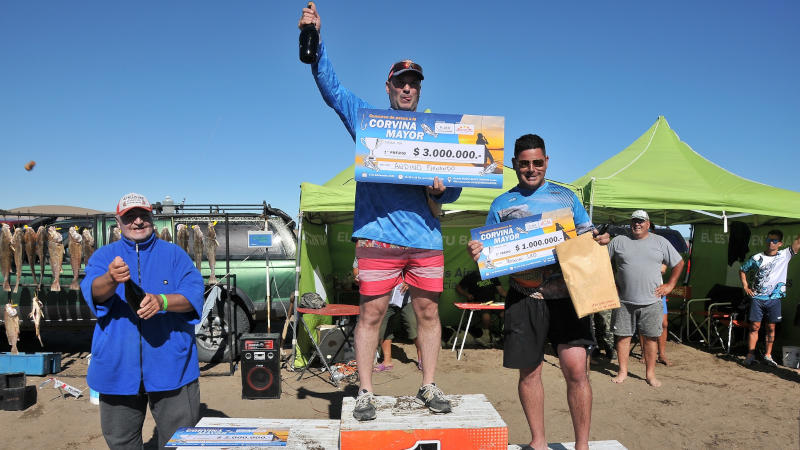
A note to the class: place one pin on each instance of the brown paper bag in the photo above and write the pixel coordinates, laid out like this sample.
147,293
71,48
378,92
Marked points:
587,272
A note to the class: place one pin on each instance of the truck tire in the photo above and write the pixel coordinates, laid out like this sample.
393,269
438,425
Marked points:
212,339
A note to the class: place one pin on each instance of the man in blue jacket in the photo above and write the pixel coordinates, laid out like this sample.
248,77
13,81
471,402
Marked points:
397,235
146,354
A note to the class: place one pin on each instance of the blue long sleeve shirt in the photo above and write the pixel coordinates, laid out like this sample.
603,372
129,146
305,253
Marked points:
392,213
161,351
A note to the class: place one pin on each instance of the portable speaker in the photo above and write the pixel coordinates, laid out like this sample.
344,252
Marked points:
261,365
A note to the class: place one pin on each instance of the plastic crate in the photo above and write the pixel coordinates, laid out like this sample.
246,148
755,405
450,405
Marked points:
17,399
12,380
30,363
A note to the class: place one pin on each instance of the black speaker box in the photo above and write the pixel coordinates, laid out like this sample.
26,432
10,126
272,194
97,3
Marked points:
17,398
12,380
261,365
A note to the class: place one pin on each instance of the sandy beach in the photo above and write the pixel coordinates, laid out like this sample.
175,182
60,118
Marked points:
707,400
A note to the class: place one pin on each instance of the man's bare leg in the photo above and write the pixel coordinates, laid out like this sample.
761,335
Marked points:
579,391
752,338
662,342
429,330
650,346
371,313
623,353
531,395
769,339
386,349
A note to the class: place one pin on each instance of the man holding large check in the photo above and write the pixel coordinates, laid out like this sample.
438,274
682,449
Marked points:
538,307
397,235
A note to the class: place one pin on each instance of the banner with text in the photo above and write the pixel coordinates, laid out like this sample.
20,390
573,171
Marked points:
406,147
522,244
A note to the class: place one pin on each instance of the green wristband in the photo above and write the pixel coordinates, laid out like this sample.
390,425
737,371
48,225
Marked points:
164,297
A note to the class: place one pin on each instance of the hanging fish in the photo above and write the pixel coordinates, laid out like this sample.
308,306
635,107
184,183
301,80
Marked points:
55,250
41,245
36,316
11,319
6,255
211,251
165,235
75,256
30,248
115,234
16,247
182,237
197,248
88,245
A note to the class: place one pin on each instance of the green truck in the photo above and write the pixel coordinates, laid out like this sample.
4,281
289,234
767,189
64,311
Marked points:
239,306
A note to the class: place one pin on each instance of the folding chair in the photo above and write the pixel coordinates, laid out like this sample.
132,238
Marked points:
718,297
717,314
680,294
694,325
339,312
726,319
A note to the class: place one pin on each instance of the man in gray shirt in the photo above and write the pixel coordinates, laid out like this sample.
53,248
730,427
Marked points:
637,259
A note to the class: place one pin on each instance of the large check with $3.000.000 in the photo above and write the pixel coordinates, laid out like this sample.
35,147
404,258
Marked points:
522,244
405,147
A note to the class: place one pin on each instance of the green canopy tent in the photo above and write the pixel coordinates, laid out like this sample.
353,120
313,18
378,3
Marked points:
326,252
663,175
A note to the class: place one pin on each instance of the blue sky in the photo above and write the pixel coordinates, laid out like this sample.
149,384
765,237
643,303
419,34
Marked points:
207,101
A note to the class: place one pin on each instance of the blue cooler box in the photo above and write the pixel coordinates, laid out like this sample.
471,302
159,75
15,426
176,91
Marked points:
30,363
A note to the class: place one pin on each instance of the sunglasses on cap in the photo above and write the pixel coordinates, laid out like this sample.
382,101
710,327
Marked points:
403,66
526,163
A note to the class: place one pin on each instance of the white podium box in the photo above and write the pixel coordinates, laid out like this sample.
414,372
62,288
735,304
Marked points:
304,434
401,423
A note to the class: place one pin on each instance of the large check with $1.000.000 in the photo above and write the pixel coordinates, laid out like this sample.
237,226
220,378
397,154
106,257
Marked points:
522,244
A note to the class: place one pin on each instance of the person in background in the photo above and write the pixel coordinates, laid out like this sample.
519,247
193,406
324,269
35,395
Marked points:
662,339
638,258
399,313
769,288
473,289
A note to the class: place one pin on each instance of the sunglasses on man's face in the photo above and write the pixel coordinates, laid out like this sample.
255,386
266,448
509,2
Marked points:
525,163
131,216
772,241
400,83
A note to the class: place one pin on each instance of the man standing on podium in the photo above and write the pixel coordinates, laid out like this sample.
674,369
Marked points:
396,233
538,305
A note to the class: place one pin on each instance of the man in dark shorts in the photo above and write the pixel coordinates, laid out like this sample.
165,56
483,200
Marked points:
768,289
538,306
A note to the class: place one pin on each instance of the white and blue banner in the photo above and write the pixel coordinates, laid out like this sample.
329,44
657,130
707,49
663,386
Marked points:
406,147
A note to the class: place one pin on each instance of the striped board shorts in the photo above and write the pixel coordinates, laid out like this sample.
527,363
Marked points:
382,266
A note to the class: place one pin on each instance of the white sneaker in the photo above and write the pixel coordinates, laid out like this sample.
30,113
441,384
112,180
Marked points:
770,362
